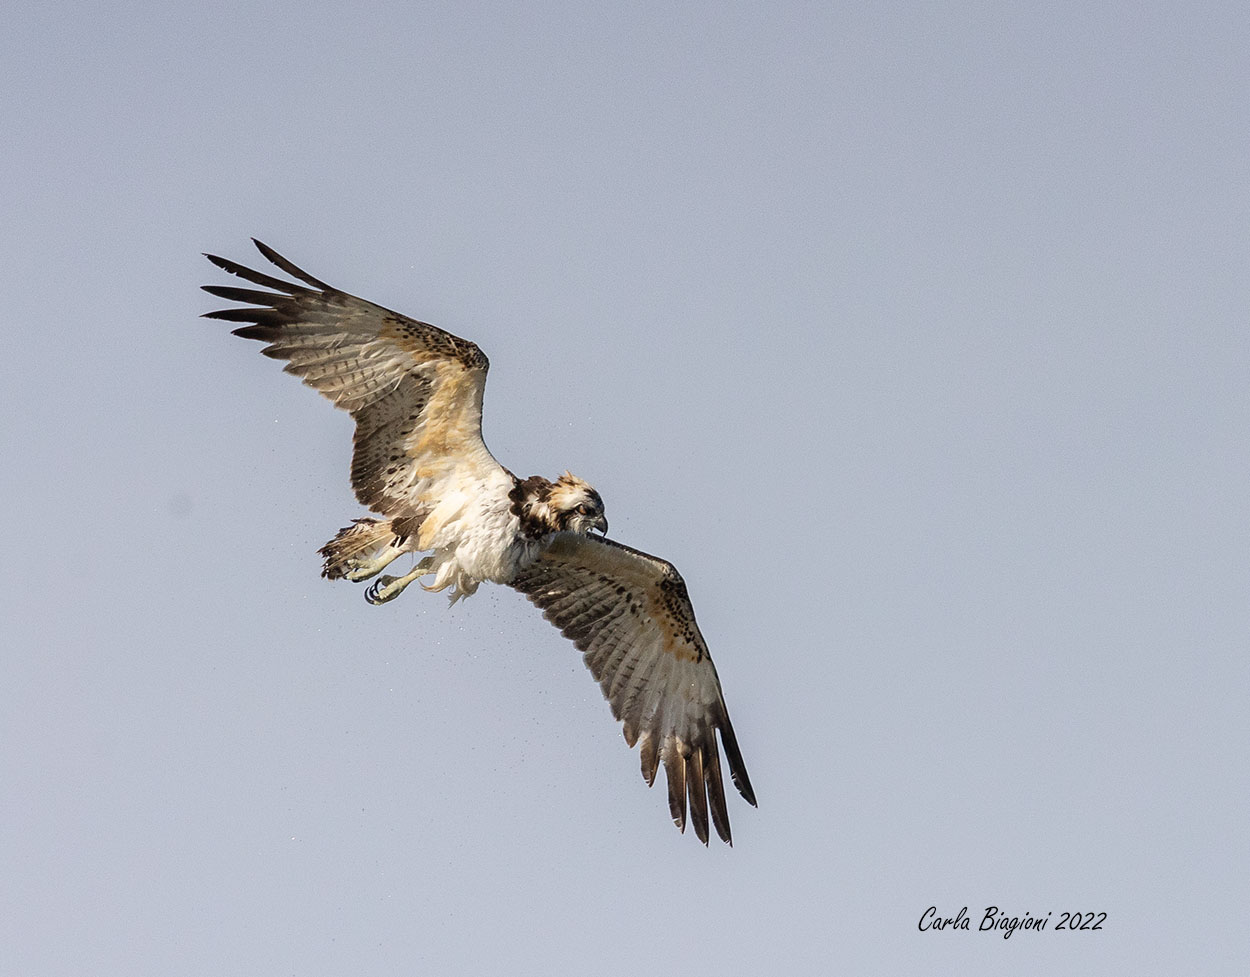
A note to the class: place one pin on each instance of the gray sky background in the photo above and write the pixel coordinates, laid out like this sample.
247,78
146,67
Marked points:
914,334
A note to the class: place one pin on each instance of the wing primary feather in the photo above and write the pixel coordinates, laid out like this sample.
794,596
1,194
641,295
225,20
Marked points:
257,277
697,789
239,315
737,768
233,294
649,754
289,268
675,771
265,332
716,795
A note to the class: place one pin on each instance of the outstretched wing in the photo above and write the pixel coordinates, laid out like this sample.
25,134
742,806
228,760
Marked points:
414,390
630,614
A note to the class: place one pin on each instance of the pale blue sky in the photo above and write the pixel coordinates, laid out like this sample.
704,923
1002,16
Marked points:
914,334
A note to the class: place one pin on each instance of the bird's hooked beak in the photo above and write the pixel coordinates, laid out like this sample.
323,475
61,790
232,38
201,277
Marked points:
601,524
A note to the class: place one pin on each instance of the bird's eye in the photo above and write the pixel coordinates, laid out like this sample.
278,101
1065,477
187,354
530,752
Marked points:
583,509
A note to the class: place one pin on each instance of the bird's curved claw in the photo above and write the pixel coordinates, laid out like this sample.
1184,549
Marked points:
388,588
381,591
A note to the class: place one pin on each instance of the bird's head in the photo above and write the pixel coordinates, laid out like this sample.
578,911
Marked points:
575,506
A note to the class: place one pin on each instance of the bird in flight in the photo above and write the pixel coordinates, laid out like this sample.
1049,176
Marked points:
419,463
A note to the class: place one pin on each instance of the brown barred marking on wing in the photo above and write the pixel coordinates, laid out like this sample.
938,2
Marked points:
414,390
630,615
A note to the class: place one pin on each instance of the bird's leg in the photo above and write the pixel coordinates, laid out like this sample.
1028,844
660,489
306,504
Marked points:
364,569
388,588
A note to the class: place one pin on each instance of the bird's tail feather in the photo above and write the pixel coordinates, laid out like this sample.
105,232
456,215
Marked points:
354,545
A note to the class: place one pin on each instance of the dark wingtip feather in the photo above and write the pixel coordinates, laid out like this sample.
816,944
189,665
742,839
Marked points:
675,773
737,768
649,755
716,795
234,294
696,788
234,315
264,333
288,267
256,277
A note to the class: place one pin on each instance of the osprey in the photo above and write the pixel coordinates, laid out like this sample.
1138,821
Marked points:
420,463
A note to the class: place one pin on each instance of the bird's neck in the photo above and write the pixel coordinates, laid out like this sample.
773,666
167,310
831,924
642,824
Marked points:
531,504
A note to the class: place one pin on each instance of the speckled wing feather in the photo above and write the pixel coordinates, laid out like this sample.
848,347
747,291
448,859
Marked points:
414,390
631,616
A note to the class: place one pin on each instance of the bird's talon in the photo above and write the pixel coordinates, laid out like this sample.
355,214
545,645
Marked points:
376,594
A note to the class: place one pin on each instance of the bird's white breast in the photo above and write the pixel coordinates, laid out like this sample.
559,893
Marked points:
474,535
